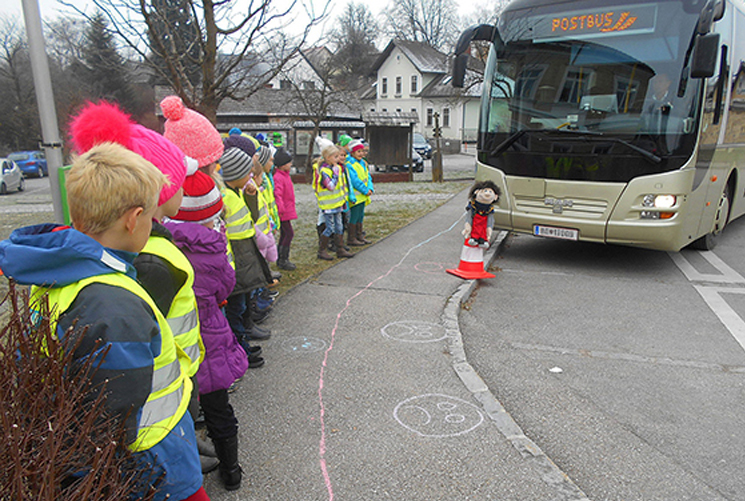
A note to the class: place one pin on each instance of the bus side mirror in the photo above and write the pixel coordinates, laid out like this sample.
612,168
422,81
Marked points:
712,12
485,32
704,57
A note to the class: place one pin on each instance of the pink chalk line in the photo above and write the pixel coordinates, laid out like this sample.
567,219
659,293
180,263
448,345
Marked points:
322,408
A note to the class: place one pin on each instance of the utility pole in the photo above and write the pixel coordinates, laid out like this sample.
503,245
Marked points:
437,155
45,101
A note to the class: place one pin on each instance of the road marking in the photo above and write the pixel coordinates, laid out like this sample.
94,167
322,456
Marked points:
712,295
727,275
729,317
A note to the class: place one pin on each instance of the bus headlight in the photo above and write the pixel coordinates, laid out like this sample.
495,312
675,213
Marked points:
659,201
664,201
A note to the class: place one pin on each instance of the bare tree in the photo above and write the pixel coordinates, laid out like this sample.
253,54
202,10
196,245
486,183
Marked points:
19,127
355,35
64,38
311,77
434,22
486,12
229,36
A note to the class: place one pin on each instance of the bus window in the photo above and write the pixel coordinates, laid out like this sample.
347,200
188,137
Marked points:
714,101
736,119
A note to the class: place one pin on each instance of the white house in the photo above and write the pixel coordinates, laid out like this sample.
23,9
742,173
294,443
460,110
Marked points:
414,77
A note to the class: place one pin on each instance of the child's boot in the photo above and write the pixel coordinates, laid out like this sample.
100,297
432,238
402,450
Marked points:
230,470
284,259
361,235
323,245
340,250
352,239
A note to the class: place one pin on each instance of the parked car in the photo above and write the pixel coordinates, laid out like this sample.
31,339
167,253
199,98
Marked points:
417,164
422,146
32,163
11,177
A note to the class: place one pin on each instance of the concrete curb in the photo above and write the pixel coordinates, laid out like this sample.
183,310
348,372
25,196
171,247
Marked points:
551,474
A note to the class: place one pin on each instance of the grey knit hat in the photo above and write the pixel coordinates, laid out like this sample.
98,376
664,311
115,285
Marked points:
235,164
265,153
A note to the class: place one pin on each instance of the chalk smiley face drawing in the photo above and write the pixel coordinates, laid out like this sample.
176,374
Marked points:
413,331
303,344
436,415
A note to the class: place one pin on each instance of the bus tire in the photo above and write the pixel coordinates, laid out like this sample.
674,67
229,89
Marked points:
721,218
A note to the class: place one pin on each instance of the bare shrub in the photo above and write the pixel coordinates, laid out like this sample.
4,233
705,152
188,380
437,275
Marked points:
56,441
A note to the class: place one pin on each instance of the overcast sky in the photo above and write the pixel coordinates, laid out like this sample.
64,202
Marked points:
51,9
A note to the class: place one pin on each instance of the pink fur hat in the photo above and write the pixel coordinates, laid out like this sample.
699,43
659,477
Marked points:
106,123
191,131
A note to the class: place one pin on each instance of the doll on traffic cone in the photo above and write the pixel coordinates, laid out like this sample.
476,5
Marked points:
478,230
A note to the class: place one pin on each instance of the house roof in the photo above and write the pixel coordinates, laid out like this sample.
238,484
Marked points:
394,118
441,86
329,124
426,59
276,103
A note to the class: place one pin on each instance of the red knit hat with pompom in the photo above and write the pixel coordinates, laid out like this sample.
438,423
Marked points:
202,200
106,123
191,131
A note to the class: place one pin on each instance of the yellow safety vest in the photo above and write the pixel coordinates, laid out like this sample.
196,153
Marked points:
170,387
271,200
182,317
238,222
263,222
330,199
363,174
231,256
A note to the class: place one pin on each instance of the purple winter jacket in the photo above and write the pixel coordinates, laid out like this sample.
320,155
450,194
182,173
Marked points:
224,359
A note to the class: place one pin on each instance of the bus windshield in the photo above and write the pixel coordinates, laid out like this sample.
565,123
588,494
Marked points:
582,92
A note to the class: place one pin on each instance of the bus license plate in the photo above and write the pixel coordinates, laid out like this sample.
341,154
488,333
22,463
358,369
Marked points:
553,232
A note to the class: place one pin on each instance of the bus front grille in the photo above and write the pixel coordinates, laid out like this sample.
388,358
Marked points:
546,206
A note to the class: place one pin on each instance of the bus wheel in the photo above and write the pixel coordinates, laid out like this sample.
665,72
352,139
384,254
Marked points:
721,218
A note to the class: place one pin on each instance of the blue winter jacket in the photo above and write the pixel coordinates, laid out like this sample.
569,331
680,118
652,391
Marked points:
50,255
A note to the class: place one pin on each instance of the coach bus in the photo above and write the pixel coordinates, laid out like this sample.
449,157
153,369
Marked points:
614,121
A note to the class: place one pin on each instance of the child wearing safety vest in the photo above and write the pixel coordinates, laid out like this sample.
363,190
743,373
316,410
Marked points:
162,269
197,231
329,184
90,280
362,187
251,270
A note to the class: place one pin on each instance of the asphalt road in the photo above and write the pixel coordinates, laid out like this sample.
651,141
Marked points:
625,366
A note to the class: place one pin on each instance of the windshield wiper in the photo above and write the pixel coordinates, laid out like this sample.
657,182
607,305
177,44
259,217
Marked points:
508,142
517,135
645,153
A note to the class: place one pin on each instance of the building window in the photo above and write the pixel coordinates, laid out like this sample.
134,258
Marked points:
528,80
398,110
372,110
385,110
384,86
413,110
446,117
430,117
577,83
398,86
414,84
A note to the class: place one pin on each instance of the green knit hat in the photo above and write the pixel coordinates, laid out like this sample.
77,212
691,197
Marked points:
344,140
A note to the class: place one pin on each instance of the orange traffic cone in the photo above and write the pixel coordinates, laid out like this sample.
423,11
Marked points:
471,263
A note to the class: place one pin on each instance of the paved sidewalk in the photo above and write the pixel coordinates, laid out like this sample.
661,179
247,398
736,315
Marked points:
367,393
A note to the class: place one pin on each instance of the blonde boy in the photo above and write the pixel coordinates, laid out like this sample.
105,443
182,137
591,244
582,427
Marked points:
88,274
